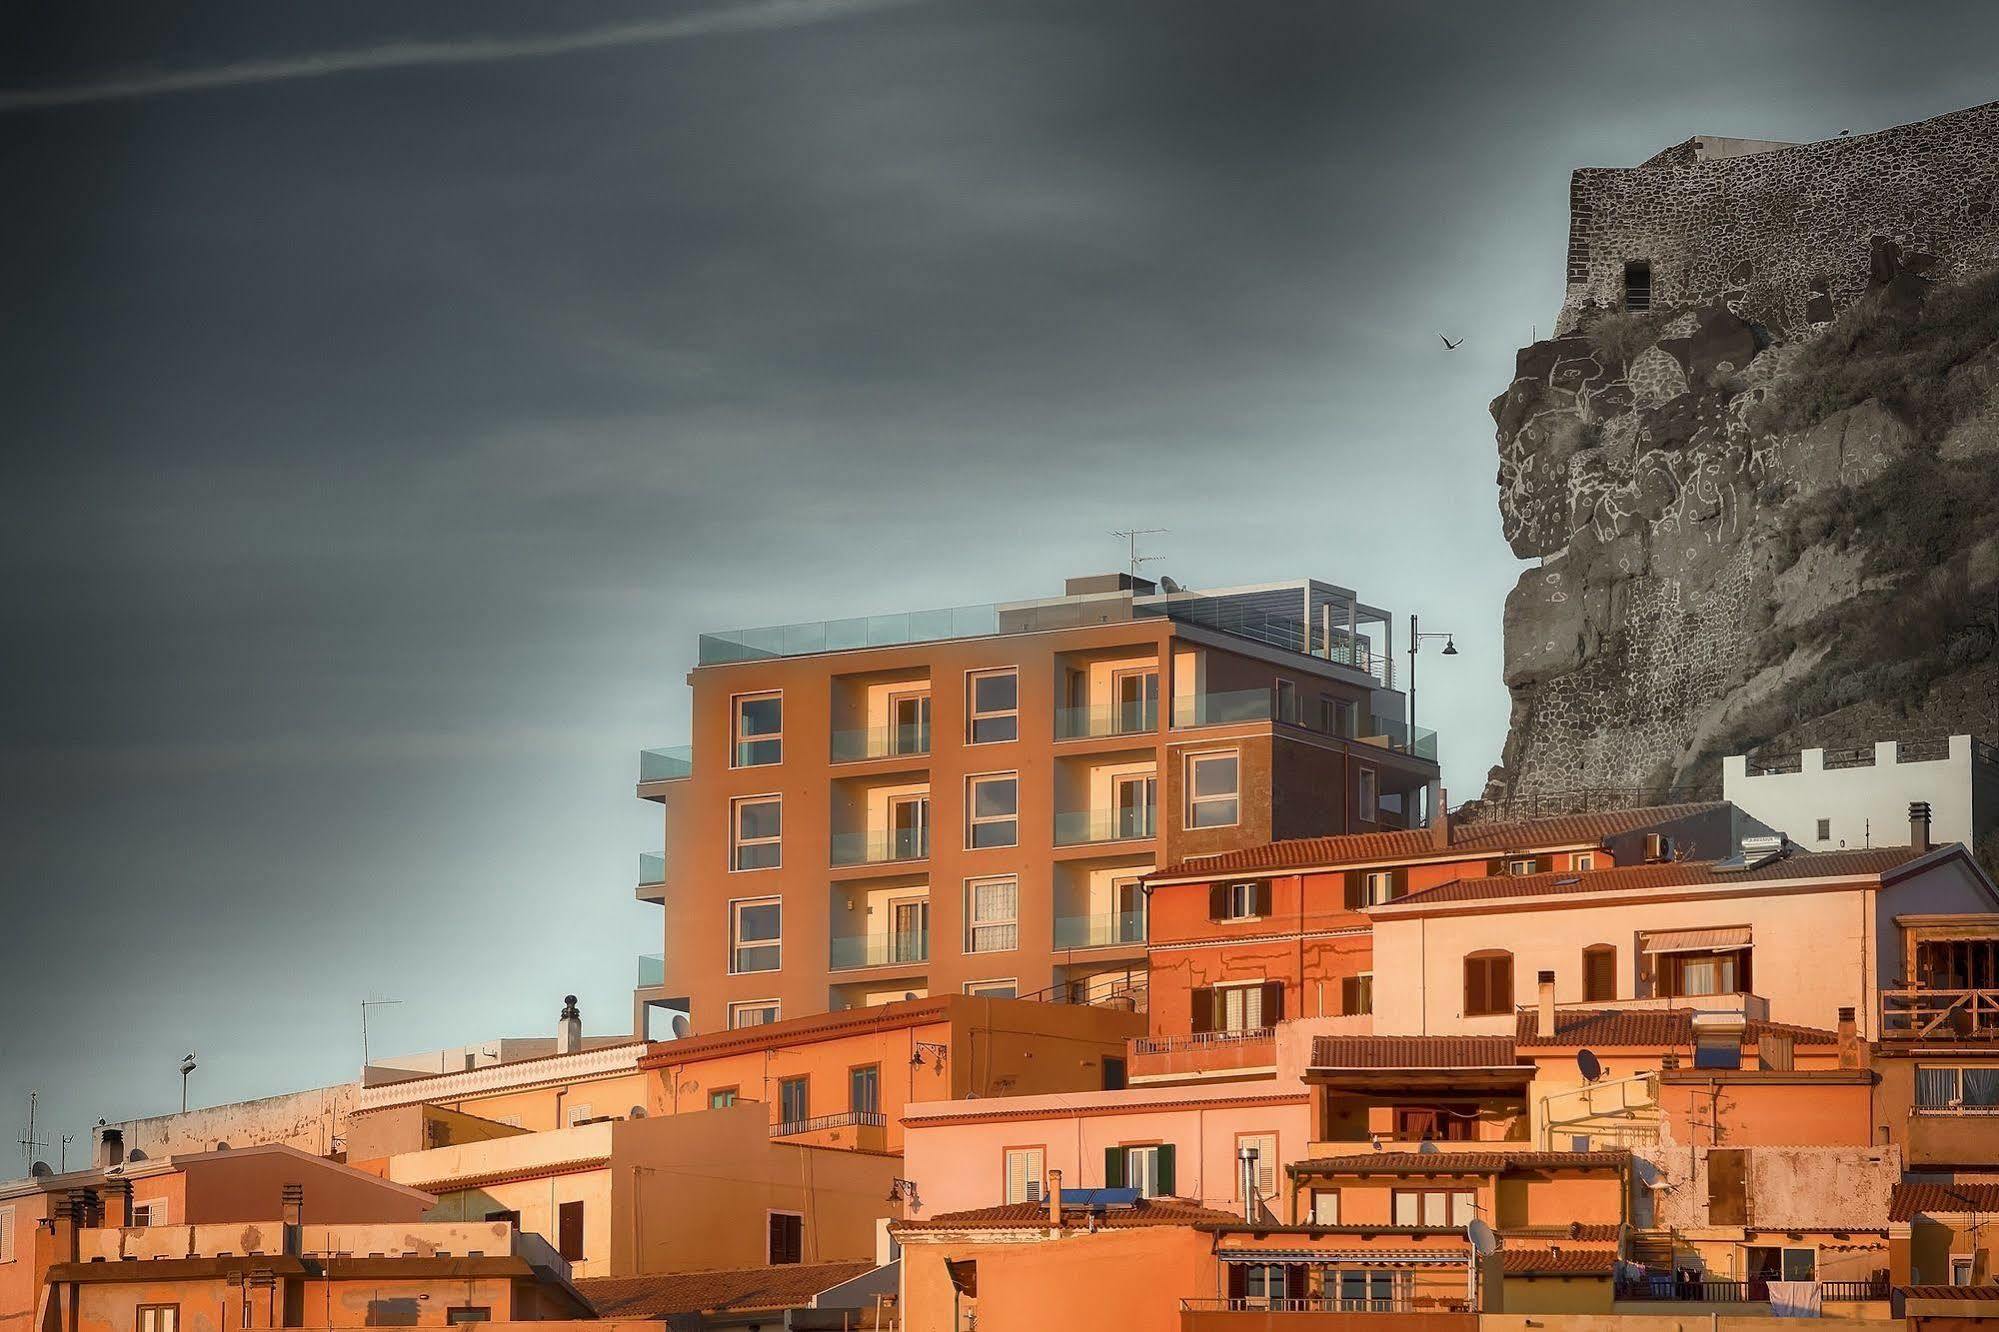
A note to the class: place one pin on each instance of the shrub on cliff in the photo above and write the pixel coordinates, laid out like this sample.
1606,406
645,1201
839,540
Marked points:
1619,337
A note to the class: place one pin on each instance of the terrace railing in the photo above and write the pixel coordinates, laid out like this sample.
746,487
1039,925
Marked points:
1920,1012
845,1119
1201,1040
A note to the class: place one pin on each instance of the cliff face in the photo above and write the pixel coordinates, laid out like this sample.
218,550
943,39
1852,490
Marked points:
1765,501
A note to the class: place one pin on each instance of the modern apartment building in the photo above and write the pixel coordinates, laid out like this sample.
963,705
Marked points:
966,801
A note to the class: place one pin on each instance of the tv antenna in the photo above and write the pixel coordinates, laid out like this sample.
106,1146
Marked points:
1131,545
367,1004
67,1139
28,1140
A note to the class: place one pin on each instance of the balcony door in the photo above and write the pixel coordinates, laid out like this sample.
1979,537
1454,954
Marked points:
1135,699
909,827
909,724
1136,798
910,929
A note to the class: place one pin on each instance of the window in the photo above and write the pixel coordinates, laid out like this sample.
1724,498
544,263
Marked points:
1599,973
993,989
1371,1290
1957,1090
151,1212
1326,1207
1768,1262
1434,1207
1962,1267
1825,830
1149,1169
1265,1165
1433,1123
787,1238
1488,984
793,1100
1583,861
569,1230
1134,799
759,730
1025,1173
864,1089
994,807
6,1234
159,1318
1286,702
1242,901
721,1098
1211,790
1377,887
468,1313
752,1013
1241,1007
754,926
1638,284
992,915
1522,867
1115,1078
995,707
755,840
1367,795
909,723
1691,975
1357,994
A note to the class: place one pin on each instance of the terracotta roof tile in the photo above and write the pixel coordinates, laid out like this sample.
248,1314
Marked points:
1558,1262
1449,1162
1658,1028
1014,1216
1674,874
1604,1232
1470,838
1911,1198
781,1287
1412,1051
1985,1292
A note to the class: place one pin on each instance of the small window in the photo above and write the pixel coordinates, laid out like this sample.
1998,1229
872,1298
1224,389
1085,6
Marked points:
794,1100
755,927
1599,973
569,1230
1583,861
1025,1173
467,1313
754,1013
1638,284
1326,1207
1378,887
1357,994
721,1098
1148,1169
1241,1007
1488,984
1825,830
993,989
1212,796
151,1212
992,915
1522,867
756,833
158,1318
787,1238
1286,703
995,707
864,1089
994,807
578,1113
759,739
1244,901
1961,1268
1367,795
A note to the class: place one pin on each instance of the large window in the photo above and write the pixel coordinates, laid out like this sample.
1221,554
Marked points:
755,834
1242,1007
993,806
1599,973
755,926
992,915
787,1238
1025,1172
759,730
1488,983
994,711
1943,1090
1148,1168
864,1089
794,1104
722,1098
1212,793
1434,1207
1692,975
752,1013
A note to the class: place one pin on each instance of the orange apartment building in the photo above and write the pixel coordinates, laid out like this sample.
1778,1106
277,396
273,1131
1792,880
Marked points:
967,801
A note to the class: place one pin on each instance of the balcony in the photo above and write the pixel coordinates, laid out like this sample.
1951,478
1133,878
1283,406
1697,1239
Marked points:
1925,1014
864,1130
1107,719
1202,1054
1123,927
1436,1313
672,764
1669,1288
652,877
1233,707
882,846
877,742
1082,827
652,970
903,948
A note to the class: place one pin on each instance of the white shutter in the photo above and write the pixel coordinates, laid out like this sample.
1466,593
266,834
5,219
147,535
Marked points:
1265,1146
6,1234
1326,1208
1023,1175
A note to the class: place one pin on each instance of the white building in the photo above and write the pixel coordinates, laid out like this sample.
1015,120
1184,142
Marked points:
1826,800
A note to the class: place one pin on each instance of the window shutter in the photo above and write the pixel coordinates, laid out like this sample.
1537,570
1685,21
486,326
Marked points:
1399,884
1496,866
1294,1281
1113,1167
1273,1003
1218,901
1356,889
1235,1280
1204,1009
1166,1180
1474,985
1349,995
1502,983
1264,897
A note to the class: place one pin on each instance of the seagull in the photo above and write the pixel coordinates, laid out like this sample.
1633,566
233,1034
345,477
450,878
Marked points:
1452,346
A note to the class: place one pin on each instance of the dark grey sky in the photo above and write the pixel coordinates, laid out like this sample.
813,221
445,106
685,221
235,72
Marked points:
389,396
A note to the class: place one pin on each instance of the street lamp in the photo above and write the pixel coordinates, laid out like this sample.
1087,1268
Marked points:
186,1067
1416,638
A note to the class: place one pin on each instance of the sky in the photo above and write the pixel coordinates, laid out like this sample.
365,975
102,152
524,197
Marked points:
389,395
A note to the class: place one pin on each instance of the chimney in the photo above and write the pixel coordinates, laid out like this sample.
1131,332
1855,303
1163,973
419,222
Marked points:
1440,822
110,1148
1544,1025
1919,826
1055,1198
1852,1050
569,1028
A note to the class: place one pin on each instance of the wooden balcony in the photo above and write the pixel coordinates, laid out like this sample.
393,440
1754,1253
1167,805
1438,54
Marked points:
1922,1013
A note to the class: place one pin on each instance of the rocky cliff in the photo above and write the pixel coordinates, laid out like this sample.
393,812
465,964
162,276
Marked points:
1758,467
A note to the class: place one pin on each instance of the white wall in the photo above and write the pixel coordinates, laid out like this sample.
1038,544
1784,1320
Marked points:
1867,806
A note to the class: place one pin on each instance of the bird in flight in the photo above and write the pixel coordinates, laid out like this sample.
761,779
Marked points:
1452,346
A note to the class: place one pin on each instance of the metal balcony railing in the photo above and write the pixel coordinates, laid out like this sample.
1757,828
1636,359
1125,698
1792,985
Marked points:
1671,1287
880,846
671,764
1121,927
1320,1304
846,1119
1079,827
881,742
1107,719
1201,1040
878,950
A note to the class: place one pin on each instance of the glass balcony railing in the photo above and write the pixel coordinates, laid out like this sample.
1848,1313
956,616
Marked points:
652,970
880,847
1121,927
672,764
1249,705
878,950
881,742
652,867
1106,719
1080,826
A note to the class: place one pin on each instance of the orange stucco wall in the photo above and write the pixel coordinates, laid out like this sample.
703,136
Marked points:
1761,1114
1131,1280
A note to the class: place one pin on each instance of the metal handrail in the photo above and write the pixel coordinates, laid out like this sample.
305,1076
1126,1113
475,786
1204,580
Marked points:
845,1119
1200,1040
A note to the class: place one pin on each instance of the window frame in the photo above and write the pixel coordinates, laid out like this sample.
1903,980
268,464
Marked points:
1125,1154
1363,991
1489,956
1246,987
981,989
715,1095
738,744
1449,1194
740,1006
1263,1164
157,1212
874,1072
802,1081
1193,800
737,842
1520,867
166,1317
1824,830
973,714
1590,953
1312,1207
1368,884
771,1214
736,944
1036,1183
973,924
1284,704
1582,862
1243,900
974,820
1367,793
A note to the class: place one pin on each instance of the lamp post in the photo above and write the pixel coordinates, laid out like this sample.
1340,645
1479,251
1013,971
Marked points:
186,1067
1416,637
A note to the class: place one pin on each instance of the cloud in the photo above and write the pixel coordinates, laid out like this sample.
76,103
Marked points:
756,16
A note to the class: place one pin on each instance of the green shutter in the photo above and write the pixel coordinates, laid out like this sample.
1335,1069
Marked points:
1166,1181
1113,1167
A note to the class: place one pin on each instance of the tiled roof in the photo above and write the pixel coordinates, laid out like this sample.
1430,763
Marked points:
1466,839
1447,1162
1671,874
1558,1262
1984,1292
1604,1232
792,1031
1014,1216
1412,1051
781,1287
1912,1198
1662,1028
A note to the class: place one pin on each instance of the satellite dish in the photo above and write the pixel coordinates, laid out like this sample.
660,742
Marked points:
1589,1065
1426,1148
637,1112
679,1027
1168,584
1479,1235
40,1170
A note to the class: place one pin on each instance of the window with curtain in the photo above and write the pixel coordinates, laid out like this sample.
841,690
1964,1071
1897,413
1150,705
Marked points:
992,923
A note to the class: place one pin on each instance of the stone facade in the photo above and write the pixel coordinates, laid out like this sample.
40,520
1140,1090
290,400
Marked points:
1675,613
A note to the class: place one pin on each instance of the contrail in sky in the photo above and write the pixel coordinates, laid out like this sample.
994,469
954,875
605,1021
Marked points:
756,16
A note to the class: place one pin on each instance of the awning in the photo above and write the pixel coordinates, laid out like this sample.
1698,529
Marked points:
1698,941
1377,1257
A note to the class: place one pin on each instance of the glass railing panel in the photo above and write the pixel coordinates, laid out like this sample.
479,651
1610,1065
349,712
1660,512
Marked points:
652,970
670,764
1106,719
1078,826
1102,931
878,950
881,742
869,848
652,867
1222,709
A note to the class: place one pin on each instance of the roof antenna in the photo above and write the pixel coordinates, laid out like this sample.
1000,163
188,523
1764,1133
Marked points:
28,1140
1131,543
